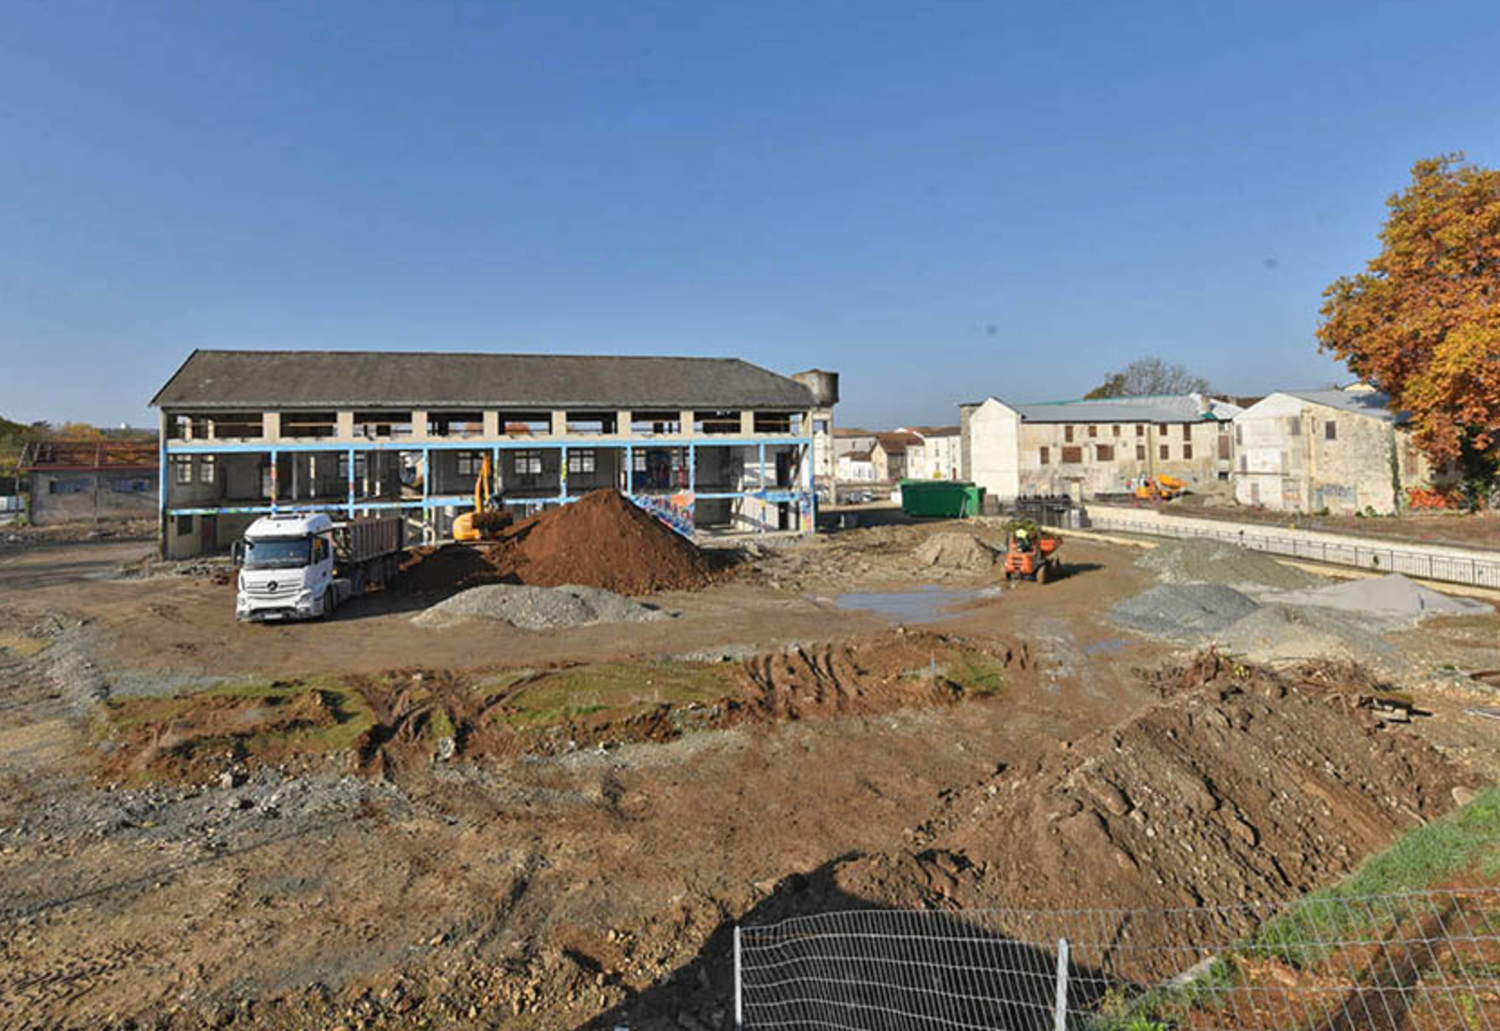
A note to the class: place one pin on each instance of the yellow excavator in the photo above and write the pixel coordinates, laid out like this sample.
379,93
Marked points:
485,521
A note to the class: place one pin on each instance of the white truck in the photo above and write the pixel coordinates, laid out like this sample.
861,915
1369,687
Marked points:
303,565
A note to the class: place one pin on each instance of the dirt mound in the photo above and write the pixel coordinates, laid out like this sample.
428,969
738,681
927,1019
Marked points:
1183,610
1205,561
868,677
1241,785
600,540
956,551
1393,596
539,608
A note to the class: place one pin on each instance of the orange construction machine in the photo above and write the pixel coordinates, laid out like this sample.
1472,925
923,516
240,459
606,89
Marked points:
1031,556
1164,488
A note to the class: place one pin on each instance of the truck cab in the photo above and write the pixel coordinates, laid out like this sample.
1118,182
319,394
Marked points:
287,567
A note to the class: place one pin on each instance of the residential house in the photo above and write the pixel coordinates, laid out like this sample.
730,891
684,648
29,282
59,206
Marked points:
889,455
856,467
938,457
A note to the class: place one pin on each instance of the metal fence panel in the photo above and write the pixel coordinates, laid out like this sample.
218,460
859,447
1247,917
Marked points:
1426,961
1475,571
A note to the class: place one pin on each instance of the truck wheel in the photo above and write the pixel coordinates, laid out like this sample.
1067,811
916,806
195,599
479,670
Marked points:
330,599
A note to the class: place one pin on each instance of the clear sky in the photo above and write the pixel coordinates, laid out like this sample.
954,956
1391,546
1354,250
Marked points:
941,199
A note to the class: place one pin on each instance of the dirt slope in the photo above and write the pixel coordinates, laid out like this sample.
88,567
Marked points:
1240,785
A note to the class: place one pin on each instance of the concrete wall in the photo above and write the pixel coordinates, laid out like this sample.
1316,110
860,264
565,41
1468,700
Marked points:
1287,462
991,437
1478,567
888,467
823,444
62,497
1113,457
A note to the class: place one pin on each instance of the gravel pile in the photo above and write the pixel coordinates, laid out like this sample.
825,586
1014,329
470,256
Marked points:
1205,561
539,608
1392,596
956,551
1183,610
1279,633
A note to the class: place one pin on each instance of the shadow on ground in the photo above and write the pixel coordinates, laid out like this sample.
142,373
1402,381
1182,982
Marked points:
928,970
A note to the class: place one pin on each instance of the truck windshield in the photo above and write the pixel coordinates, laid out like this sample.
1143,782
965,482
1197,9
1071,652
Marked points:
278,553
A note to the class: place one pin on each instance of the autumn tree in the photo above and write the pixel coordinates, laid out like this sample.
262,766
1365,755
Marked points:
1149,376
1422,322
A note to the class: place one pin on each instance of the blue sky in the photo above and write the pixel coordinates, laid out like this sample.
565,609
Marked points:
941,199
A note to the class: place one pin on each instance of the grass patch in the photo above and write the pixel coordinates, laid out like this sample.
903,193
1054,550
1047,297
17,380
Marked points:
979,672
1466,840
1168,1007
623,688
21,646
441,725
247,717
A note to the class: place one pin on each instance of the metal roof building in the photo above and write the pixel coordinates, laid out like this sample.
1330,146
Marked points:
705,442
293,379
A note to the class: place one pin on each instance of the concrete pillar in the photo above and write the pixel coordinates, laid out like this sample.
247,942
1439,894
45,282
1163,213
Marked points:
747,422
492,424
686,419
419,425
559,423
344,425
623,418
271,425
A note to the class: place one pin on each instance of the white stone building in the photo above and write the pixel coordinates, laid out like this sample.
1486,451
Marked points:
1086,448
1342,451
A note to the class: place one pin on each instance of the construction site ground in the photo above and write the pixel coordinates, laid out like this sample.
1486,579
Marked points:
369,822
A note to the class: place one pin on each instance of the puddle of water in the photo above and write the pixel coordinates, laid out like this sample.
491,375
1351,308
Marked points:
1108,647
927,604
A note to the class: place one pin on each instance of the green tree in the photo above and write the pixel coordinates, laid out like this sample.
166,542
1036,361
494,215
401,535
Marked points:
1422,322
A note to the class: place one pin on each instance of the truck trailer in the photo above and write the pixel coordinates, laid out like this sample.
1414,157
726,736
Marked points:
304,565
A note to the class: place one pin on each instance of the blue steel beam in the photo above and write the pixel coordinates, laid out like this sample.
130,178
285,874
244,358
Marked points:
181,447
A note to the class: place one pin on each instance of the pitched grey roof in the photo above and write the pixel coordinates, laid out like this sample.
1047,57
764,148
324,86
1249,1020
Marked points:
1164,408
355,379
1374,404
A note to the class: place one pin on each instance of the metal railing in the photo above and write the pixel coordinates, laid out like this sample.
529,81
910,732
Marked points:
1362,552
1426,961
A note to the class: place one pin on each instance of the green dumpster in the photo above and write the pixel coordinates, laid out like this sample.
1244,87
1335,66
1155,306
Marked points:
949,499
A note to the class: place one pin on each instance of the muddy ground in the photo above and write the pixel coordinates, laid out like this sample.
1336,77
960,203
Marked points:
370,823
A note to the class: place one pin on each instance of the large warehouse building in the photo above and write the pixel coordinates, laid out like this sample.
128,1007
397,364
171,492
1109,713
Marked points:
1089,447
705,442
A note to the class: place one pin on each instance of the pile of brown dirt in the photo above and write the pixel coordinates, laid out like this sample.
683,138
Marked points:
600,540
1241,785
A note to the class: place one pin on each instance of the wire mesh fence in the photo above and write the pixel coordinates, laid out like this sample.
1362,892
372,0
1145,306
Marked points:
1426,961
